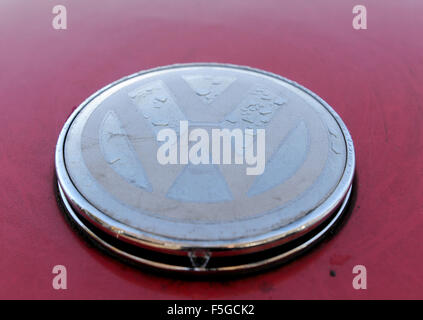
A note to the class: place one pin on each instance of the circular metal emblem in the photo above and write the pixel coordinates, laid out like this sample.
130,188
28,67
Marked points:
204,168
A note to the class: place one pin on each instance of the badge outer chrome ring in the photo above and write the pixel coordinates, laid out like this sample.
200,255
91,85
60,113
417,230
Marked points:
261,251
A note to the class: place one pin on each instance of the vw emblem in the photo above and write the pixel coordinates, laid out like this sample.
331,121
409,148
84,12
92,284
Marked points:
204,168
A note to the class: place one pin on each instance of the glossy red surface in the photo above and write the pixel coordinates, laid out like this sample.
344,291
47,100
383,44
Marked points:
373,78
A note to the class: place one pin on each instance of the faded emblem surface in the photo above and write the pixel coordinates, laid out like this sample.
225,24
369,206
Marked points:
110,153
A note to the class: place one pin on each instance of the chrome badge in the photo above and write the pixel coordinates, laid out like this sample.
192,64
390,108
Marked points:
204,168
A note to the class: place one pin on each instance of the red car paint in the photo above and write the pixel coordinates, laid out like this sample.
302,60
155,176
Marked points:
373,78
